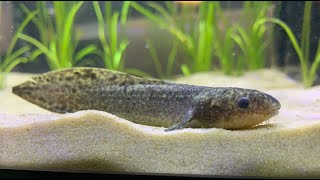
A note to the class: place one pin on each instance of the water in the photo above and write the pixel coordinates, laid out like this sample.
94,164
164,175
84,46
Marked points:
200,43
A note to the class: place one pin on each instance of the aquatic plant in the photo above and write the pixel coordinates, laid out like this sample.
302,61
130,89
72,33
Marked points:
161,72
212,35
308,71
224,44
113,50
58,40
114,45
196,37
250,37
166,70
12,57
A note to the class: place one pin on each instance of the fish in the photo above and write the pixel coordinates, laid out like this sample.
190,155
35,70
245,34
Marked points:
147,101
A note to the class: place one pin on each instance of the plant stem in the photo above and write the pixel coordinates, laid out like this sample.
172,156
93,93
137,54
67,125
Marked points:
2,80
308,77
305,38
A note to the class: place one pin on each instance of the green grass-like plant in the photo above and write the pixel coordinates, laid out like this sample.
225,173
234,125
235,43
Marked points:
196,39
224,44
213,36
58,40
308,71
201,38
114,45
166,71
250,37
161,72
11,58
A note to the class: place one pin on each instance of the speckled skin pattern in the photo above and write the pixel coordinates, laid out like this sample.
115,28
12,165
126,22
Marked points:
146,101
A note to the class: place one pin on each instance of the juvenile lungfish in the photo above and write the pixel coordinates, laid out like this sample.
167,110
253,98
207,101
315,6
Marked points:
148,101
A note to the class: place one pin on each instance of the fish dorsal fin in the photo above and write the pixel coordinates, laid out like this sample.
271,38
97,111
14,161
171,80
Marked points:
91,76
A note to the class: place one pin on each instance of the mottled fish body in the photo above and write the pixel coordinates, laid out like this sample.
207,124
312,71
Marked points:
147,101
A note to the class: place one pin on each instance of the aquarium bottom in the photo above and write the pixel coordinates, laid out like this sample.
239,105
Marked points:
287,145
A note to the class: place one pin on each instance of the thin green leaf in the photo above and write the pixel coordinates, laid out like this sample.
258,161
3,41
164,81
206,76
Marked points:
241,44
124,12
315,65
201,46
172,8
67,33
19,30
15,55
185,70
244,36
155,58
172,57
147,13
34,55
101,29
55,55
162,11
52,59
305,38
113,30
27,11
90,49
14,63
118,56
291,37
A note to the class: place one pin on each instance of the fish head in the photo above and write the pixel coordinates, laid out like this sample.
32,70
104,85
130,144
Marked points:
237,108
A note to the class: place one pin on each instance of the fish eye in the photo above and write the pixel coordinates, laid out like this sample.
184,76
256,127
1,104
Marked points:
243,102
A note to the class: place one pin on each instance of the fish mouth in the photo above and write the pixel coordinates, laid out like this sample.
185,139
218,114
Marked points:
275,104
278,106
275,108
276,112
271,113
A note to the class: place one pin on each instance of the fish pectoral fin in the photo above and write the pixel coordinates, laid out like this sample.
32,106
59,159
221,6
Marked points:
185,119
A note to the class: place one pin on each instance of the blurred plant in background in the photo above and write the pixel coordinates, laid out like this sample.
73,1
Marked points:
212,35
12,57
250,34
208,38
114,40
167,72
203,31
308,72
196,38
58,40
114,45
